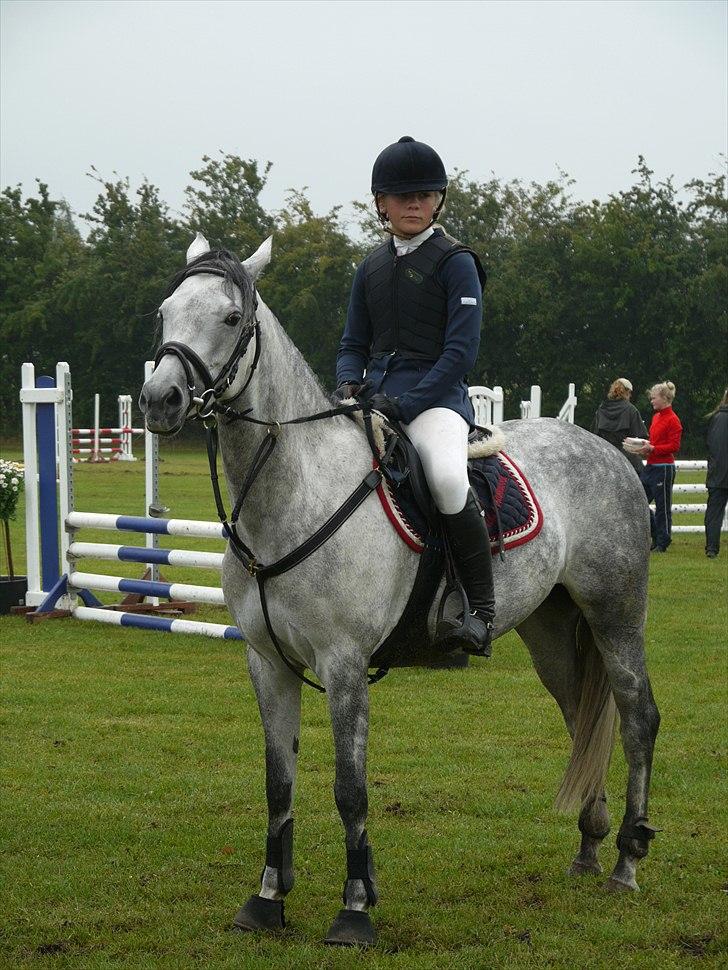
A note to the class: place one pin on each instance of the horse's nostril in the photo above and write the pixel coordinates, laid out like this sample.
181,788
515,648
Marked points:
143,402
173,397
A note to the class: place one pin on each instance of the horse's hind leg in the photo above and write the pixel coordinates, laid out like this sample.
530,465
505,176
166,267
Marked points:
620,640
278,692
565,663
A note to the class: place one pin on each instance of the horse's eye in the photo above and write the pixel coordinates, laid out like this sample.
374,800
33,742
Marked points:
234,318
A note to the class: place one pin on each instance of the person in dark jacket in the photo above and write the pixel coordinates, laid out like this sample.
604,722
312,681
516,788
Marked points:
617,418
717,477
413,327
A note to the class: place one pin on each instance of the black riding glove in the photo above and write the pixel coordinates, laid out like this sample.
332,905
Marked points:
388,406
343,391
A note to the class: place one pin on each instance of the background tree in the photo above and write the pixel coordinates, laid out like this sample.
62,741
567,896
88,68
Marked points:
40,250
308,281
633,286
226,206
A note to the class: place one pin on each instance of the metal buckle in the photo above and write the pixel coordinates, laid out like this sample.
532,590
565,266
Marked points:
205,404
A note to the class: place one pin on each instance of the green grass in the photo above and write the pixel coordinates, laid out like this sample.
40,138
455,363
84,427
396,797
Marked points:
133,815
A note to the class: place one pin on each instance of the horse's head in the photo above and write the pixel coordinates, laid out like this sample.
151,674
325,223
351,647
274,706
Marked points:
208,321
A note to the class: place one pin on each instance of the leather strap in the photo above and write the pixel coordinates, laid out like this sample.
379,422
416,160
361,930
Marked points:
360,865
279,856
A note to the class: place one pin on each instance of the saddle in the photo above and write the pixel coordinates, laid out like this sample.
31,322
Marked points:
511,511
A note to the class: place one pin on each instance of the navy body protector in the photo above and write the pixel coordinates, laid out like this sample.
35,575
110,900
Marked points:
406,302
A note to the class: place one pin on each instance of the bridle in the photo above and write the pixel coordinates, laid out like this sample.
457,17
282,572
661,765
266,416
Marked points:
214,389
211,405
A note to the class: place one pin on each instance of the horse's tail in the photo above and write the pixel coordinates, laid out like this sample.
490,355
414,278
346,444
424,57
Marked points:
596,723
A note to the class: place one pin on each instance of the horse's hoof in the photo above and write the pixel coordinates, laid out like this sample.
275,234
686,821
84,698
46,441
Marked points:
352,927
579,868
259,914
613,885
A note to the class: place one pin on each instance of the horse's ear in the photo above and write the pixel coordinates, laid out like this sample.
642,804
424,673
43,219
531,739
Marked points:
256,263
199,246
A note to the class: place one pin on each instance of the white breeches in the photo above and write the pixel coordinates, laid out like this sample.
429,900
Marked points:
441,439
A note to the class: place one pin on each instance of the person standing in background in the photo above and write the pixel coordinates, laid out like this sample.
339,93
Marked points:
617,418
717,477
658,475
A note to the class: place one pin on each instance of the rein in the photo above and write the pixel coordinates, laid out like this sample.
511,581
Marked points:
261,573
210,404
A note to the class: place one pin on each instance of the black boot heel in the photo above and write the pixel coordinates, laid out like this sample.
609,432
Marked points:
472,636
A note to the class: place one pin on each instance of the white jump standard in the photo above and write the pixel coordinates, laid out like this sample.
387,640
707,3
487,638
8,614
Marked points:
58,595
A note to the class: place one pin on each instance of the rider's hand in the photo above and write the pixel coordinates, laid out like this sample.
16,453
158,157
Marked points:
343,391
388,406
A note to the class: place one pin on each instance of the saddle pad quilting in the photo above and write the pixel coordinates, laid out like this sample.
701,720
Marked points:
520,513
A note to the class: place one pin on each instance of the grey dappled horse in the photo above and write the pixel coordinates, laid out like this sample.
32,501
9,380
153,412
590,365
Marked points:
576,595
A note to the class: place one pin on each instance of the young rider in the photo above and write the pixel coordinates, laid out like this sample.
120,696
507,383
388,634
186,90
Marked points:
413,326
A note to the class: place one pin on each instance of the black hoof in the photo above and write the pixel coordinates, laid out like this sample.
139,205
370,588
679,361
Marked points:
352,927
259,914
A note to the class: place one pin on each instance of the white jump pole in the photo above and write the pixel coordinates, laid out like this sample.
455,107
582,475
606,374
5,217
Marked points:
532,407
34,596
487,404
96,456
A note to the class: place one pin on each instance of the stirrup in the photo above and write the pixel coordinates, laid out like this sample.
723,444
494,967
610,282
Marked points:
470,633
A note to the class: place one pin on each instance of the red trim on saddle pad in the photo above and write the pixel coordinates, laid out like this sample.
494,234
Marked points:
523,534
395,515
518,536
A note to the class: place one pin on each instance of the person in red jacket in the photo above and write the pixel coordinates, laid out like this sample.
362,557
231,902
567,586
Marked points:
658,475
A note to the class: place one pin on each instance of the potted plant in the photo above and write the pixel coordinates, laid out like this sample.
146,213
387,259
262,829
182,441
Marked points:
12,588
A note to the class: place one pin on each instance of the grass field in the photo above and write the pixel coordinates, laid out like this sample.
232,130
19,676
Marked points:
133,815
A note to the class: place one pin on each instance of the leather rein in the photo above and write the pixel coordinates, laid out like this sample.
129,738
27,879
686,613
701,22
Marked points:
209,407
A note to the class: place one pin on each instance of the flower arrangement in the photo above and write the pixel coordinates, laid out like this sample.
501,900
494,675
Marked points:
11,486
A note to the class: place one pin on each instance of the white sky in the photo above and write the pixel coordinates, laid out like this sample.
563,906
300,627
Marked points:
319,88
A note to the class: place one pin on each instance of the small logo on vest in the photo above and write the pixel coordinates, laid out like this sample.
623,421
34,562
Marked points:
413,275
468,301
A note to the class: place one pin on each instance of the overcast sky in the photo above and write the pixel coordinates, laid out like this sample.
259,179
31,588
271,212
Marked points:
519,89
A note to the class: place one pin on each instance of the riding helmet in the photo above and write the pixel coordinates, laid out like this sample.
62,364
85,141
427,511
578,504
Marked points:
408,166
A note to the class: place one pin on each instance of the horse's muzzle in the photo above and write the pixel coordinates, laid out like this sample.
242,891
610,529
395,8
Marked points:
164,404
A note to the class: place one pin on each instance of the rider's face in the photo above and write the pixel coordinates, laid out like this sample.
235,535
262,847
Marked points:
411,213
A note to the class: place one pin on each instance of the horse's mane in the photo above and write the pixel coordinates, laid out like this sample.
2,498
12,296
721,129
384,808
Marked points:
225,264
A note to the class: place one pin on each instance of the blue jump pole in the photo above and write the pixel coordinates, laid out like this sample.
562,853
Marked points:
45,424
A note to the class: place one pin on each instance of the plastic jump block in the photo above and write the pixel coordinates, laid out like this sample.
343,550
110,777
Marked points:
142,554
134,523
163,624
147,587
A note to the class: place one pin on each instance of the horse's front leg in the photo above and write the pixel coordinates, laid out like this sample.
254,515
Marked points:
348,695
279,700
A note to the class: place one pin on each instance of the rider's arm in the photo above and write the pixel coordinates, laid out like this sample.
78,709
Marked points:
459,278
351,360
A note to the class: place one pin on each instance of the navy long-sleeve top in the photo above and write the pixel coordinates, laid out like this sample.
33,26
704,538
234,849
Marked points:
418,385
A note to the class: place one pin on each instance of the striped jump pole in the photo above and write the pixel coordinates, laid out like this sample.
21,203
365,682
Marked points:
139,523
70,594
148,556
163,624
145,587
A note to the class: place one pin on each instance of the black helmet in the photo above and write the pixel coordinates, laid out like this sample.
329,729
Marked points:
408,166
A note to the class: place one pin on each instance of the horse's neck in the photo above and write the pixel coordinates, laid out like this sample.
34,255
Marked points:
284,504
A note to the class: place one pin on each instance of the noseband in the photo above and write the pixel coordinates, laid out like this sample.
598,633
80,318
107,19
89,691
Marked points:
208,402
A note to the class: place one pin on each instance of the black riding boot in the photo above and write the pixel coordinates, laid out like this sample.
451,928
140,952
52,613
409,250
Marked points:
467,535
